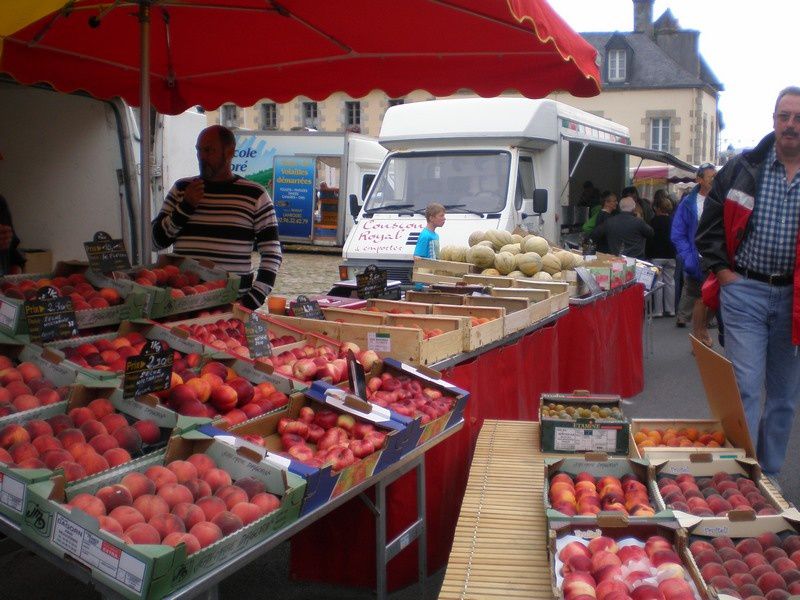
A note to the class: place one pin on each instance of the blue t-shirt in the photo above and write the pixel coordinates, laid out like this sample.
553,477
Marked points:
427,244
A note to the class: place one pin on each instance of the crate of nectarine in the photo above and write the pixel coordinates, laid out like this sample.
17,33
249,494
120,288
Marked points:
580,489
583,422
176,285
744,556
674,438
618,560
709,487
96,305
154,525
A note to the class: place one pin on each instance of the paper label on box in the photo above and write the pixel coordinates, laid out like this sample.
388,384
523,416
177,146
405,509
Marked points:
8,314
98,553
567,438
379,342
12,493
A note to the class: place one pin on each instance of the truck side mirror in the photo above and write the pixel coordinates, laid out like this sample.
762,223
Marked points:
539,201
355,208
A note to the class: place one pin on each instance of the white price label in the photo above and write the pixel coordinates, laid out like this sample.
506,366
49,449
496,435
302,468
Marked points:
12,493
379,342
8,314
582,440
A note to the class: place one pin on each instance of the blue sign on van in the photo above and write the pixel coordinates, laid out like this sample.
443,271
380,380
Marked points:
293,195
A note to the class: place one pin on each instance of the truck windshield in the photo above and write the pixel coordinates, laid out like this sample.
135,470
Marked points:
475,182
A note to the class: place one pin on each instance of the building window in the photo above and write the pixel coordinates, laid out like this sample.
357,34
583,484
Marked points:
396,102
269,115
310,115
352,114
659,134
617,65
229,115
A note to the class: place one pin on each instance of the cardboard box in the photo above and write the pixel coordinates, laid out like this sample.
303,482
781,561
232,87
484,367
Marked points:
37,260
725,406
142,572
583,434
601,465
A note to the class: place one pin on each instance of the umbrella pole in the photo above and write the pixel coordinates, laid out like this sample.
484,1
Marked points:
144,118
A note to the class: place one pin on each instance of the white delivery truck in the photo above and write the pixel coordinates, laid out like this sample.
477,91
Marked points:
70,167
494,163
310,175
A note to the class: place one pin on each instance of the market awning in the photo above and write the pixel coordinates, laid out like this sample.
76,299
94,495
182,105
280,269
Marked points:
643,153
666,173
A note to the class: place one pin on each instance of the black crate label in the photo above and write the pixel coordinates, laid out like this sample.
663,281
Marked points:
257,337
50,317
148,372
307,309
106,255
371,283
358,379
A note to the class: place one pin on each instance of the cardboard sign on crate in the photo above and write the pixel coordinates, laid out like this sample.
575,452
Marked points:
50,317
106,254
148,372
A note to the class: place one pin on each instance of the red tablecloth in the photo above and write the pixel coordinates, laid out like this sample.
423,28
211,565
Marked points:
596,347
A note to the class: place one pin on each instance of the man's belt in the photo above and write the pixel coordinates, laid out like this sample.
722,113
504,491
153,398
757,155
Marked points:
779,280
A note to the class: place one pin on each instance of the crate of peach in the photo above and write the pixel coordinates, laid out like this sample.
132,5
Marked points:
95,305
582,422
96,429
667,439
333,444
744,556
580,489
175,285
638,561
167,518
710,488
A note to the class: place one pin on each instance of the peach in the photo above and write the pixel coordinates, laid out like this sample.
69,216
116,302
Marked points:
80,415
138,484
629,554
68,437
227,522
5,457
749,546
206,533
18,388
675,589
790,544
790,575
29,371
248,512
253,486
600,559
160,475
782,564
201,388
759,570
771,554
212,506
128,437
151,505
728,554
116,457
266,502
218,478
31,463
126,516
54,457
47,396
754,559
602,543
736,566
13,434
114,495
143,533
199,488
721,582
91,429
711,570
113,421
175,493
148,431
778,595
89,504
110,525
740,579
184,470
23,451
92,462
189,513
101,407
659,557
43,443
166,523
770,581
231,495
72,471
103,442
191,543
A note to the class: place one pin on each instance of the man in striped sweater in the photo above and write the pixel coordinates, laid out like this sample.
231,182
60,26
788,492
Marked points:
222,217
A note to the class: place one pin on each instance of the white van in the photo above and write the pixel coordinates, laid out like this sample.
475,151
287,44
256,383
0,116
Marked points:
494,163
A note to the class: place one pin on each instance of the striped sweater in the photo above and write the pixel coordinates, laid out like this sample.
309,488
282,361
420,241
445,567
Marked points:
234,218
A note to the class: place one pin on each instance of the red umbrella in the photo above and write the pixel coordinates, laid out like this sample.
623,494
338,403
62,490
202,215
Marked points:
173,54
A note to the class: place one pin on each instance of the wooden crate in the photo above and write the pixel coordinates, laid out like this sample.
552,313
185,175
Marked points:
348,315
535,295
520,312
406,344
559,291
427,270
388,306
322,327
477,335
488,280
668,452
434,297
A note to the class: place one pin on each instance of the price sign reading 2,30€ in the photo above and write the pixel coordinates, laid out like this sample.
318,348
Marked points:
150,371
50,317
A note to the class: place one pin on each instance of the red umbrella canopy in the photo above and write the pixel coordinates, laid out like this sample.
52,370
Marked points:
208,52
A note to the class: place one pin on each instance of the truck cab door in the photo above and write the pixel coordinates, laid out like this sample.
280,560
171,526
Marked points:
523,194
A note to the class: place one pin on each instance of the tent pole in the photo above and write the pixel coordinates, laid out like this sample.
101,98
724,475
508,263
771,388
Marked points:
144,118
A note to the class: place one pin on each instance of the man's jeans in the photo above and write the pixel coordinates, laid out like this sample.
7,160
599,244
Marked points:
758,341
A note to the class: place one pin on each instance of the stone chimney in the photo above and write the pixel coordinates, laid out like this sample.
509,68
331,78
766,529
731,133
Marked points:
643,16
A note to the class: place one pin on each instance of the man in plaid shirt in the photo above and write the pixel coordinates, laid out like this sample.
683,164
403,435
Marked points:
749,238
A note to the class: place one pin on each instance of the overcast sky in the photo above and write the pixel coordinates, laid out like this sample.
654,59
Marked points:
751,46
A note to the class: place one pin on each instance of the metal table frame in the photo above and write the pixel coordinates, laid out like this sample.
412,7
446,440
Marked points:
206,584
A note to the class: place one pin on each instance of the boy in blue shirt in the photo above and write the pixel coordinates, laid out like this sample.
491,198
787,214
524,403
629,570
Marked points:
428,242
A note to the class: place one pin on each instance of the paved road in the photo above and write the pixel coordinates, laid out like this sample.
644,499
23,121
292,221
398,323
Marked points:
672,389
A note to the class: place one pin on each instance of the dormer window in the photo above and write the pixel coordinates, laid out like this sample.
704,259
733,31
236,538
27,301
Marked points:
617,61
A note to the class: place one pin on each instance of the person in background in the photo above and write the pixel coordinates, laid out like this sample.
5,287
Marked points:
662,253
749,236
12,261
590,196
624,233
684,228
221,217
601,212
428,241
644,211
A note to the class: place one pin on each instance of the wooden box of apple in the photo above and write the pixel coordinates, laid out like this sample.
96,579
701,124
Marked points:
95,305
615,561
164,520
175,285
580,489
709,487
678,438
94,430
581,422
744,556
332,441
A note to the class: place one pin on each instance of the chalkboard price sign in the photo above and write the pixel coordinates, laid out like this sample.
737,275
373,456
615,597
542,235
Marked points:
307,309
106,254
150,371
50,317
356,375
371,283
257,337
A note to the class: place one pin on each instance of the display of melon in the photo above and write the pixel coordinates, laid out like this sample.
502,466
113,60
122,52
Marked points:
543,276
481,256
492,272
517,238
529,263
568,259
486,243
536,244
499,238
475,237
517,275
559,276
446,253
513,248
458,253
551,264
504,262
